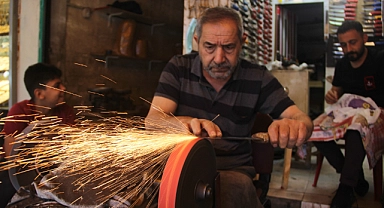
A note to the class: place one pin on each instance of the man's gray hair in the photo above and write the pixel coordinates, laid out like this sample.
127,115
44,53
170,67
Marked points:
216,14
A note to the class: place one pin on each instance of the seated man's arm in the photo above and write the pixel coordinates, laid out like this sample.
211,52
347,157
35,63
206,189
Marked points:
160,115
293,129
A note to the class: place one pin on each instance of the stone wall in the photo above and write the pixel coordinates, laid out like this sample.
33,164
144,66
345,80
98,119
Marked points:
80,33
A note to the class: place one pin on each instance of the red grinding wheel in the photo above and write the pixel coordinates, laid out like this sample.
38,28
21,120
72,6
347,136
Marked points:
189,176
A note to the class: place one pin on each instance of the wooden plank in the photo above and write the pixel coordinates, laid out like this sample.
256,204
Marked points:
287,168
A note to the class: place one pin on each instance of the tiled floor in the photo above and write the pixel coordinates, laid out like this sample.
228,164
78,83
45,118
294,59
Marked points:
301,194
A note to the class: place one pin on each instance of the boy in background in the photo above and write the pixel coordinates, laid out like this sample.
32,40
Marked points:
44,85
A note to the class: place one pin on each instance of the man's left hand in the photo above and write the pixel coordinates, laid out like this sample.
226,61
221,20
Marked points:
287,133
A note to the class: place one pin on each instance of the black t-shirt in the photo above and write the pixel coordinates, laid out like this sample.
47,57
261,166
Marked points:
366,80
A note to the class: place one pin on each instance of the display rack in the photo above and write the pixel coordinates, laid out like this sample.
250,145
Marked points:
109,60
113,12
257,21
369,13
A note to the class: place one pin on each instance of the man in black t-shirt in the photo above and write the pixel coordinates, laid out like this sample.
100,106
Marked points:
359,72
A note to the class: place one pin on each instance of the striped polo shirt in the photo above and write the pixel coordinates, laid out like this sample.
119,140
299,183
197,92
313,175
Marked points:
251,89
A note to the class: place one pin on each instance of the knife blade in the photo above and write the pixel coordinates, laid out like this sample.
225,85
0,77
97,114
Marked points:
261,137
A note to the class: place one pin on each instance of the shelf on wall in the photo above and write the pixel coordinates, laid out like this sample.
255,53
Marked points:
106,59
116,12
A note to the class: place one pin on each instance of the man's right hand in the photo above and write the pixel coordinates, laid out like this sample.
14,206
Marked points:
333,95
204,128
160,115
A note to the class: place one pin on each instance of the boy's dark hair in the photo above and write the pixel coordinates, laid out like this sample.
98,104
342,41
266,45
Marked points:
350,25
37,74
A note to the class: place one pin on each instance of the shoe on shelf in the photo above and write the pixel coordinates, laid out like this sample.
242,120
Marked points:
344,197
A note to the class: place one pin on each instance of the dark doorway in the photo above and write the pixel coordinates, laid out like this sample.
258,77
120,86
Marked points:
311,48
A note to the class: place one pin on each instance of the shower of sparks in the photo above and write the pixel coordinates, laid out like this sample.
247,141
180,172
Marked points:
39,106
114,112
99,94
97,160
16,118
78,64
36,111
105,77
100,60
61,103
155,107
215,117
82,109
60,90
82,106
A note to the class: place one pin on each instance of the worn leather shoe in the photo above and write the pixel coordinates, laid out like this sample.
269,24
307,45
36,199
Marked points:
344,197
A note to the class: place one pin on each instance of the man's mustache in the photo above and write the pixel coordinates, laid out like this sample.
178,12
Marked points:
351,53
222,65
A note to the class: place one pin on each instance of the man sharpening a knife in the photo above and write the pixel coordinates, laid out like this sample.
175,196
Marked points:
214,93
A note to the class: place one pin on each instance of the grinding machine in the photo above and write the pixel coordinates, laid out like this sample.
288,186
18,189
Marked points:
189,178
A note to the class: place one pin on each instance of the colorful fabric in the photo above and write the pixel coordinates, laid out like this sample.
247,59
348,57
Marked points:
337,132
353,112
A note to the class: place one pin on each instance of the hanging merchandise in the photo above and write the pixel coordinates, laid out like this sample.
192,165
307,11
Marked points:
257,21
338,13
372,23
286,34
368,12
196,7
189,38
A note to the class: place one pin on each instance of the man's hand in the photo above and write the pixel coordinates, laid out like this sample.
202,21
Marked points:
202,127
160,115
333,95
287,133
292,129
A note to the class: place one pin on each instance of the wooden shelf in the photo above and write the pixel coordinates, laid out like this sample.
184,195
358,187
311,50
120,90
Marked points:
108,58
112,12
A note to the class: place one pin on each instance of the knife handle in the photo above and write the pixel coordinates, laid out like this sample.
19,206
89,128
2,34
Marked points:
262,135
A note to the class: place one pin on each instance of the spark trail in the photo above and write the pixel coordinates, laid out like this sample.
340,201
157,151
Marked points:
92,162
